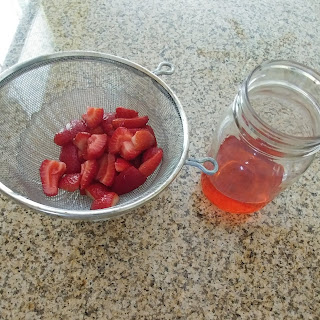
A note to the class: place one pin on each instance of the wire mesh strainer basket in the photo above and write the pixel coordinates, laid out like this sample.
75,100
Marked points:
37,99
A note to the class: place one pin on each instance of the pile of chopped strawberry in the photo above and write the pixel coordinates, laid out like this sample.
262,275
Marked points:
103,155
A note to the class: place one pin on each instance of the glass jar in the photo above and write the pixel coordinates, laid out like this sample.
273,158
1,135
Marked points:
267,138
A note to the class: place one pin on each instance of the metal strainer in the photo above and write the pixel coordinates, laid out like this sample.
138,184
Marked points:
37,99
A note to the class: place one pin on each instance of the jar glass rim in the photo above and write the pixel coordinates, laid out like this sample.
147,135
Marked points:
288,139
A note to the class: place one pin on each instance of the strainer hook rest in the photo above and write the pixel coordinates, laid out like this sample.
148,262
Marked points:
161,70
198,163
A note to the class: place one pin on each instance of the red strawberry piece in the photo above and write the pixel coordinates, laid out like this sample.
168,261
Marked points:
143,140
107,123
149,153
96,190
70,182
119,136
108,200
149,128
81,156
109,132
89,170
50,173
146,127
93,117
96,146
122,112
97,130
128,151
136,162
81,140
69,155
137,122
128,180
150,165
121,164
69,132
134,130
107,169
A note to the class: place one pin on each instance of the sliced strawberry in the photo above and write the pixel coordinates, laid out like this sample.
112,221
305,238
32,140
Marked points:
107,123
97,130
89,170
150,165
81,140
69,132
70,182
93,117
146,127
96,190
149,153
107,169
119,136
50,173
121,164
96,146
81,156
137,122
150,129
122,112
134,130
108,200
69,155
143,140
128,151
136,162
128,180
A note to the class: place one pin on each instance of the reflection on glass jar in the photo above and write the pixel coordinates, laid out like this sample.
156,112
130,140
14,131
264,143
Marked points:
267,138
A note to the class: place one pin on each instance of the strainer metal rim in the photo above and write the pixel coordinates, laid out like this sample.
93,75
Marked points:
101,214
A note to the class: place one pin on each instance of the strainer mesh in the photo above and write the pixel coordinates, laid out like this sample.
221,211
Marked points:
37,100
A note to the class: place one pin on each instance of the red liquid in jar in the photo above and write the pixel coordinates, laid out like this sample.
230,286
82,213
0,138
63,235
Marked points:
246,180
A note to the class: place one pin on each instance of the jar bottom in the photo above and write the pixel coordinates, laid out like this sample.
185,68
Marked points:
225,203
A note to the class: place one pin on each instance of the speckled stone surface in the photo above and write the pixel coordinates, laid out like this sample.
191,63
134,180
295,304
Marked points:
178,257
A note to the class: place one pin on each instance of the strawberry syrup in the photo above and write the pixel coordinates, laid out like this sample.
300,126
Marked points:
246,180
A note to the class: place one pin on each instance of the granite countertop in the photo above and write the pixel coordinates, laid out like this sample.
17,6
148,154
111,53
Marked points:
177,257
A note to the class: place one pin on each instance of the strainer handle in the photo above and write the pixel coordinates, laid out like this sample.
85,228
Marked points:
160,71
198,163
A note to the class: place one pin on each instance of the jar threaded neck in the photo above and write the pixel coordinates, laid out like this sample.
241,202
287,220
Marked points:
278,105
